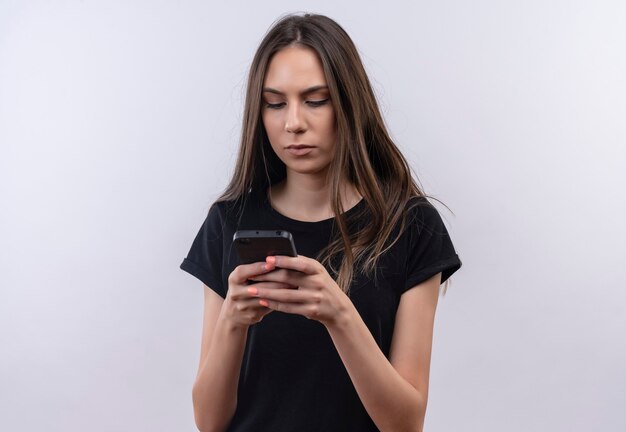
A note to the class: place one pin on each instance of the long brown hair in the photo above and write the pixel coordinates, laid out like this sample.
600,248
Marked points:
374,164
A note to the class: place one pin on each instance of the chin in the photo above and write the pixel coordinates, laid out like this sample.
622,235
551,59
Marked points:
307,168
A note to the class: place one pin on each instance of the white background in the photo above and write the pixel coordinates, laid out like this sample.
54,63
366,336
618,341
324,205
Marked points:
119,125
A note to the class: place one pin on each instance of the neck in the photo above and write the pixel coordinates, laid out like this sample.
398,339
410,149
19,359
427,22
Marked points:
308,197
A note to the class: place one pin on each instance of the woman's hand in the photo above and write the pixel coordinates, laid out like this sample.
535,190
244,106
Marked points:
317,295
241,308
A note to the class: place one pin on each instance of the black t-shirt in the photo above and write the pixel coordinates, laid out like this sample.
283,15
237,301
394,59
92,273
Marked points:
292,378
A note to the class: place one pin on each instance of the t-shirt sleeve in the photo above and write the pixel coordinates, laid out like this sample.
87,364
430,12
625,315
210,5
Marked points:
204,260
430,249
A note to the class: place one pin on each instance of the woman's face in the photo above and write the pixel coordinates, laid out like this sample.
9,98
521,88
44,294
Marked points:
297,111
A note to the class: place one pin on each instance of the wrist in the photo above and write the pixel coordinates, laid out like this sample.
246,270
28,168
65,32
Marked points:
229,322
345,315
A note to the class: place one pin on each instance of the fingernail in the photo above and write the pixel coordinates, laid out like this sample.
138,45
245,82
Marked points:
264,303
253,290
271,260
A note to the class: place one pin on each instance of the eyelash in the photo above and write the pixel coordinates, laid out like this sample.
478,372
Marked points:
314,104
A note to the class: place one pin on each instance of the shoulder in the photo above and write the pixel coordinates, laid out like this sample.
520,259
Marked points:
424,227
227,209
428,244
421,214
420,206
231,212
220,215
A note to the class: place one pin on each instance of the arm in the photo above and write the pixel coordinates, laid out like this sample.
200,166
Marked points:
224,335
394,391
214,390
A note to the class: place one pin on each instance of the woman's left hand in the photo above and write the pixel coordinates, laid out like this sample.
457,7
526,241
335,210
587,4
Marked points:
318,296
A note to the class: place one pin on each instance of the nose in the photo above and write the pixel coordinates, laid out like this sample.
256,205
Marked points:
294,121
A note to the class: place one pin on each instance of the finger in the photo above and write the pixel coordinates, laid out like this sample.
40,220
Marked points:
299,263
250,311
248,305
306,310
284,295
244,271
291,277
242,292
271,285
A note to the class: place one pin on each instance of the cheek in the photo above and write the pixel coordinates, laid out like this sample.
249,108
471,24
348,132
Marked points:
330,128
273,130
272,126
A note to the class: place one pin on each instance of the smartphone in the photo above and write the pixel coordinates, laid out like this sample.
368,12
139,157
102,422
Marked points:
256,245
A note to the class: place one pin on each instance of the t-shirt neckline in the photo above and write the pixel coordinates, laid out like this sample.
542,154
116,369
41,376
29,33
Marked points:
305,224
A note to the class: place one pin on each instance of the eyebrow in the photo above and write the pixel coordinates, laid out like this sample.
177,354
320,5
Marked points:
303,92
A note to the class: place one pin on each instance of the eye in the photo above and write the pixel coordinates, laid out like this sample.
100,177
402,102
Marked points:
311,103
274,106
318,103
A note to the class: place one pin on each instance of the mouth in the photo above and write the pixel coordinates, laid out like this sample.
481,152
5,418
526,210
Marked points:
297,150
299,146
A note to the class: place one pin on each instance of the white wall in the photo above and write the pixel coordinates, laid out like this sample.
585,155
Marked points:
119,123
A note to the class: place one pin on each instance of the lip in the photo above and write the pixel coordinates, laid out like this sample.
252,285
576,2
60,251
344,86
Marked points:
299,146
299,149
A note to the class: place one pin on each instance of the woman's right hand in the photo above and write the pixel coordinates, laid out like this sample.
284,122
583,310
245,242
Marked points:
241,308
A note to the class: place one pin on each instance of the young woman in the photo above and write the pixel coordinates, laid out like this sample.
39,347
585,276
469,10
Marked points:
338,338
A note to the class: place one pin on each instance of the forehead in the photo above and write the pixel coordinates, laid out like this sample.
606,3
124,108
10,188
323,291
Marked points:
294,68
